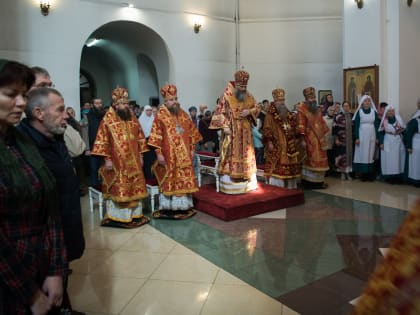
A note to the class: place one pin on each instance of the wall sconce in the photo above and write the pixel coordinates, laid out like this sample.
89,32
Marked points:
45,7
359,3
409,2
196,28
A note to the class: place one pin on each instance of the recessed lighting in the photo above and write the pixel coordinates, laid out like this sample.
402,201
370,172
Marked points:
130,5
91,42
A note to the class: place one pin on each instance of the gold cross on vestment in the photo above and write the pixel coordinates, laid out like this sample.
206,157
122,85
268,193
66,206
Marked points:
286,126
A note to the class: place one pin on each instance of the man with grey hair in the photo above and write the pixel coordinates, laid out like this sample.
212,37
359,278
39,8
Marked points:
45,125
235,115
282,166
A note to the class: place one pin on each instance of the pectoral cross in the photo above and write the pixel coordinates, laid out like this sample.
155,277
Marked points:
179,130
286,126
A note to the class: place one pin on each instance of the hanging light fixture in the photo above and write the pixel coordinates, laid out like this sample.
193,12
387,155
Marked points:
45,7
359,3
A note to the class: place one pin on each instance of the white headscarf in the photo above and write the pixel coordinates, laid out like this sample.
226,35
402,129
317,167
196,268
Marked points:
417,113
397,117
146,122
362,100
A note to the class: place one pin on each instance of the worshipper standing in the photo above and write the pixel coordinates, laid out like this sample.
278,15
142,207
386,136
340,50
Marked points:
154,110
193,115
121,143
313,129
326,103
76,146
202,109
412,141
235,114
146,121
42,78
263,108
94,118
329,120
33,260
174,137
279,136
392,146
210,142
365,130
343,141
45,125
258,146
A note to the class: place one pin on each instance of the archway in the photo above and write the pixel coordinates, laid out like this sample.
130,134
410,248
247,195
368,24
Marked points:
127,54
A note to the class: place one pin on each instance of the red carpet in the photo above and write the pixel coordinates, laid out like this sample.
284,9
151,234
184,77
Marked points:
232,207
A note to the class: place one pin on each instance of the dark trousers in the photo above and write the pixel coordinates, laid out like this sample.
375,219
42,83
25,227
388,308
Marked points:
95,163
259,155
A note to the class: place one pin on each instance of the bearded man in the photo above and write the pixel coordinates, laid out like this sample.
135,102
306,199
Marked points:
235,115
282,167
174,136
312,126
121,142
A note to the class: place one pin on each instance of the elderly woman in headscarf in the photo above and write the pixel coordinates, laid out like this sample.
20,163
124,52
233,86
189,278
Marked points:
392,147
366,123
146,121
412,141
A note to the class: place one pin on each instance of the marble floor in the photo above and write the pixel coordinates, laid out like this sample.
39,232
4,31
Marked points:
310,259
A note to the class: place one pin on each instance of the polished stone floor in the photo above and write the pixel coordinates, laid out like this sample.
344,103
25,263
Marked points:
310,259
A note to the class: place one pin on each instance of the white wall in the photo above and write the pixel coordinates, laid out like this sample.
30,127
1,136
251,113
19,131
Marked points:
361,34
409,61
291,45
199,63
390,40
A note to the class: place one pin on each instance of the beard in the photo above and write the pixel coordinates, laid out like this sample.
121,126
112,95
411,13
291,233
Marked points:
313,106
240,95
99,112
282,110
54,129
174,109
124,114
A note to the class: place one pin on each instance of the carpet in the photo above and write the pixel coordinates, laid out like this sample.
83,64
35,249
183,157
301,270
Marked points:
232,207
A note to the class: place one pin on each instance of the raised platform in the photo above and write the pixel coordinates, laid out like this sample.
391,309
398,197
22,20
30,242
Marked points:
232,207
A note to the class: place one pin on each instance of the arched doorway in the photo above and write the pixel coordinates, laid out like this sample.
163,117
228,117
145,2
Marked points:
127,54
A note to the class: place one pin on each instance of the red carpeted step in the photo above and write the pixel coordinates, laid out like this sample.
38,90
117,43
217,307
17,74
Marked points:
266,198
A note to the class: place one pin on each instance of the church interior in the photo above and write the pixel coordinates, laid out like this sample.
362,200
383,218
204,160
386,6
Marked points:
314,258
